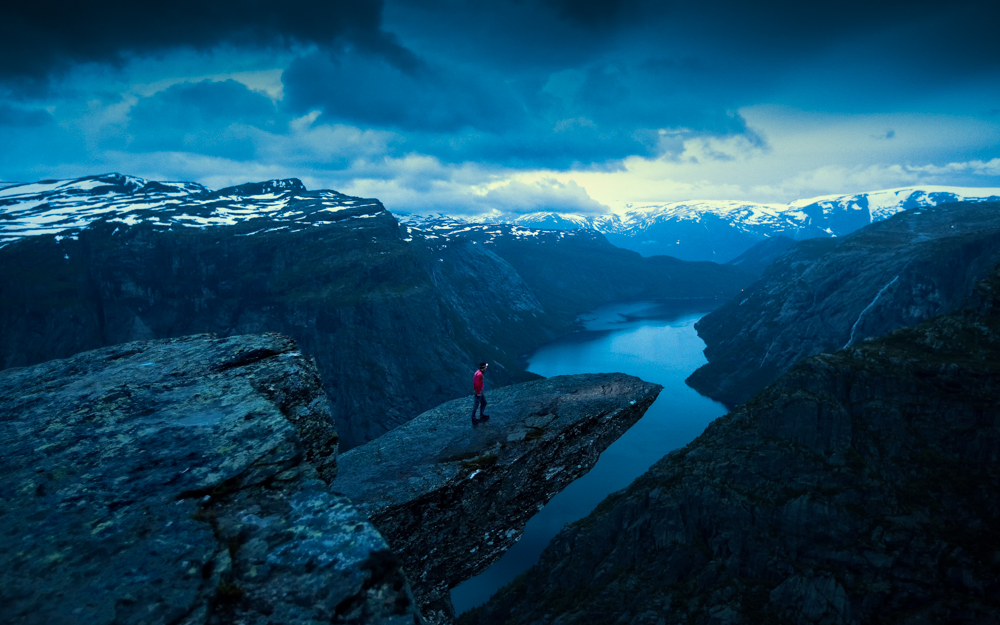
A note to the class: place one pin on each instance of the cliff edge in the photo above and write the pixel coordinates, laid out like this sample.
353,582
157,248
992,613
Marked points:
451,499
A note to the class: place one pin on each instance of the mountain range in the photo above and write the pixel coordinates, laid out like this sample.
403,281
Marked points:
397,316
720,230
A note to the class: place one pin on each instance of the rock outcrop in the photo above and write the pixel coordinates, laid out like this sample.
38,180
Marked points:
859,488
183,482
826,294
451,498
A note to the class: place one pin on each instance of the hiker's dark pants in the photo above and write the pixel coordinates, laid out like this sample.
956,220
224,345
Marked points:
480,404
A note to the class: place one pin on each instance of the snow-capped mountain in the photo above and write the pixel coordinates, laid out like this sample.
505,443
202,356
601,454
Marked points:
695,230
722,230
65,206
568,221
444,228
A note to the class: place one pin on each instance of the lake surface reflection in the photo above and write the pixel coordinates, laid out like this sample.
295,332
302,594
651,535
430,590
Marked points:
655,341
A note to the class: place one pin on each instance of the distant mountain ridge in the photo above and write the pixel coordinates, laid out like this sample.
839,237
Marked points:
721,230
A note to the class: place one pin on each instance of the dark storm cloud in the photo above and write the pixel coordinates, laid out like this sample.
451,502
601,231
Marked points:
554,83
213,118
594,114
934,37
521,83
40,37
367,90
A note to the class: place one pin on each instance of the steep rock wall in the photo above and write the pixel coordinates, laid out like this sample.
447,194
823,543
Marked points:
825,294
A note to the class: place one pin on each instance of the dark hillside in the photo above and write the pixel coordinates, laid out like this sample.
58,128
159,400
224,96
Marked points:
825,294
858,488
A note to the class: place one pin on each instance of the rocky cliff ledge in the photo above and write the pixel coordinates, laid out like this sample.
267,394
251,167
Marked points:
182,481
451,498
859,488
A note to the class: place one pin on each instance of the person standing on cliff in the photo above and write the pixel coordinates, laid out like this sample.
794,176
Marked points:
480,403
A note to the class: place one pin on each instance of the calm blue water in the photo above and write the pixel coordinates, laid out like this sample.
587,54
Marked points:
655,341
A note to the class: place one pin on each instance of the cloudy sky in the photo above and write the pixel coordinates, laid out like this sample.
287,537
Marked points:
513,105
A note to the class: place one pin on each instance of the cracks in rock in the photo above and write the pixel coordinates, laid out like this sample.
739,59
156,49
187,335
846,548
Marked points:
248,478
248,358
385,579
220,590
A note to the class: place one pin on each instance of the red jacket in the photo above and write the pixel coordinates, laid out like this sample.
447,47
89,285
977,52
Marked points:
477,382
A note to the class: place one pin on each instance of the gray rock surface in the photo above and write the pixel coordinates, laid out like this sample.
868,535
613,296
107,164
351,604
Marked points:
859,488
451,499
182,481
825,294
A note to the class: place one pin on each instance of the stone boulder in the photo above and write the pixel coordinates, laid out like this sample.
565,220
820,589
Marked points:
183,481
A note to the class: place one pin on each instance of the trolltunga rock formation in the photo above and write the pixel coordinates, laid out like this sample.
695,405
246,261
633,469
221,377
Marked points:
451,499
182,481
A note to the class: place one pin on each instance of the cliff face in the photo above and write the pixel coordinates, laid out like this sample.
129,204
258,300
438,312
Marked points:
570,272
353,294
451,499
182,481
397,318
859,488
825,294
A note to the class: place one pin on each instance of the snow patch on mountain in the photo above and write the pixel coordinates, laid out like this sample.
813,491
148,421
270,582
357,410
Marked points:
445,229
66,206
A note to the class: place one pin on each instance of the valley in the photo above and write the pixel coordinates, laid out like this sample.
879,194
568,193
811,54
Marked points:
395,315
854,489
832,350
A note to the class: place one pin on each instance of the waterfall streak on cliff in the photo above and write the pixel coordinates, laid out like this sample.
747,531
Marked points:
855,326
768,353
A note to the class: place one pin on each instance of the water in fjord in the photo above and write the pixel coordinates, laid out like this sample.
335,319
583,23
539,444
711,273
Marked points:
655,341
